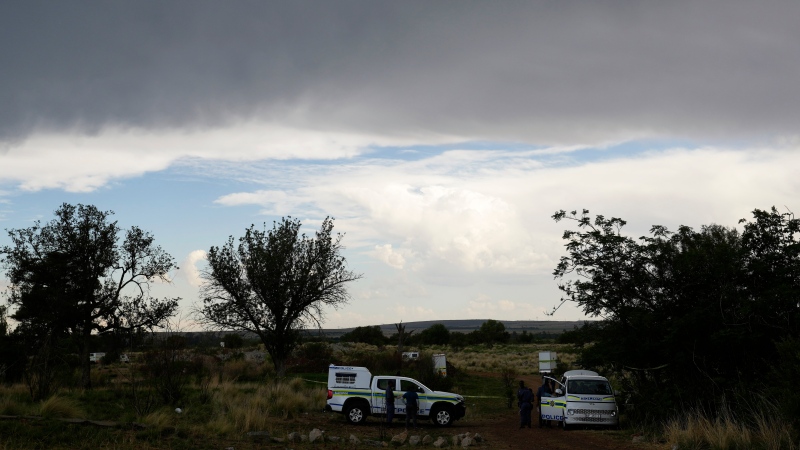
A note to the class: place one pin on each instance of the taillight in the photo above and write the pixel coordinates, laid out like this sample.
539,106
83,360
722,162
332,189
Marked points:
330,394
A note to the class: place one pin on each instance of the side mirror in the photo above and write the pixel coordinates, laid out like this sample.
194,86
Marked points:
559,391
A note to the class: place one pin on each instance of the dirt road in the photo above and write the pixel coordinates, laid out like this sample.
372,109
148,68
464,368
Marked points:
503,432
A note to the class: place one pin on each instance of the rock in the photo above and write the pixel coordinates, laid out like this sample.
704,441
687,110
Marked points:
638,439
440,442
400,439
466,442
293,436
414,441
303,438
332,438
354,440
315,435
456,439
278,440
427,440
477,437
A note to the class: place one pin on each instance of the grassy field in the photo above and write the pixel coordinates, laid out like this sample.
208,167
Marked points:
216,415
221,411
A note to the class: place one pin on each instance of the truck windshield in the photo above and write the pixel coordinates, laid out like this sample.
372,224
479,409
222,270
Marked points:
596,387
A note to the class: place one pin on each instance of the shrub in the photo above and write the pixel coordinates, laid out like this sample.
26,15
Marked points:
312,357
724,430
60,407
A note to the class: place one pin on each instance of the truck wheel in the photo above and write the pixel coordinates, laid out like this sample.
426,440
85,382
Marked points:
442,416
356,413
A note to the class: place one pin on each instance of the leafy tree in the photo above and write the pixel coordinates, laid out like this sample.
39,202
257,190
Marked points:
436,334
675,304
493,332
275,283
233,341
368,335
76,276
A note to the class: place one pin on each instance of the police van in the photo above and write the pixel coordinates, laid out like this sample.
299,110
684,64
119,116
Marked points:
354,392
582,397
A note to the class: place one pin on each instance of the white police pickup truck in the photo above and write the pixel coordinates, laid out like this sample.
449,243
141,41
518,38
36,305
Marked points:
582,397
354,392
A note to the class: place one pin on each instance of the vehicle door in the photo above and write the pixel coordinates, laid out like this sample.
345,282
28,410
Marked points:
424,402
554,407
379,395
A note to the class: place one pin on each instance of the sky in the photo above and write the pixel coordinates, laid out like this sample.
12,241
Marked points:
440,136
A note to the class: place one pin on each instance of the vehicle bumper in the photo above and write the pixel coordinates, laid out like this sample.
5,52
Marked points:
602,420
459,411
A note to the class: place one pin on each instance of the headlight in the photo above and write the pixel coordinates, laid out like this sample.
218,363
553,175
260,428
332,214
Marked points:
613,414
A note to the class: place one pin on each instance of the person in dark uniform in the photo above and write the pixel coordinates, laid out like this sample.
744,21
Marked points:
389,402
412,406
543,391
525,403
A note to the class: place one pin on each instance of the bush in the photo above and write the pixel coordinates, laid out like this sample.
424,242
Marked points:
60,407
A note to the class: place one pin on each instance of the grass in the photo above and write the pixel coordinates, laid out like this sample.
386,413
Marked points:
522,357
221,413
57,407
725,431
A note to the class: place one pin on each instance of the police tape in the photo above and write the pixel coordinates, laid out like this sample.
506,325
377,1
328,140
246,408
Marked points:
465,396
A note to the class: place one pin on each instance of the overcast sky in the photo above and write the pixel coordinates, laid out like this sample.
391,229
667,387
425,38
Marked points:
441,136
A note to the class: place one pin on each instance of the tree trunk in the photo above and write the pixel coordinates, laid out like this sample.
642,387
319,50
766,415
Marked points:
280,367
86,366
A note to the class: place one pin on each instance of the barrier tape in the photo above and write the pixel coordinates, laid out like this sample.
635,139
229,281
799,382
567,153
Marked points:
465,396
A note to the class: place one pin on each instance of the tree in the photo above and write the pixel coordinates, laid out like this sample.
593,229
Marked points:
402,336
675,304
76,276
275,283
233,341
368,335
493,332
436,334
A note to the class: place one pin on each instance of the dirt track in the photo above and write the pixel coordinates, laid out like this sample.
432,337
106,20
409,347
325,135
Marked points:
504,433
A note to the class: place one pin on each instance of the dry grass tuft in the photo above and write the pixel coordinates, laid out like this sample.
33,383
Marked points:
524,358
60,407
162,418
245,408
699,432
15,401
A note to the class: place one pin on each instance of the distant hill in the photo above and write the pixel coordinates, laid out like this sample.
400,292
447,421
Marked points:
465,326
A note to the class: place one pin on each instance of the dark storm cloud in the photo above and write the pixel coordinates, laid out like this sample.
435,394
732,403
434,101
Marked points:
557,71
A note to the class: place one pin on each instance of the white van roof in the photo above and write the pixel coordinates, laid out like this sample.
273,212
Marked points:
580,373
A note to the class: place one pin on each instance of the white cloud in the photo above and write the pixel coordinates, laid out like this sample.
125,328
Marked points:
484,306
189,269
85,162
410,313
386,254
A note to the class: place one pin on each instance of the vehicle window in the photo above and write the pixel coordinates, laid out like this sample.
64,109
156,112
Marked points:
345,378
382,383
406,385
589,387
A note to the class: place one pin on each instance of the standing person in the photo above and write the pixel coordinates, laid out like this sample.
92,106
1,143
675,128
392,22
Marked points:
412,406
389,402
543,391
525,403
